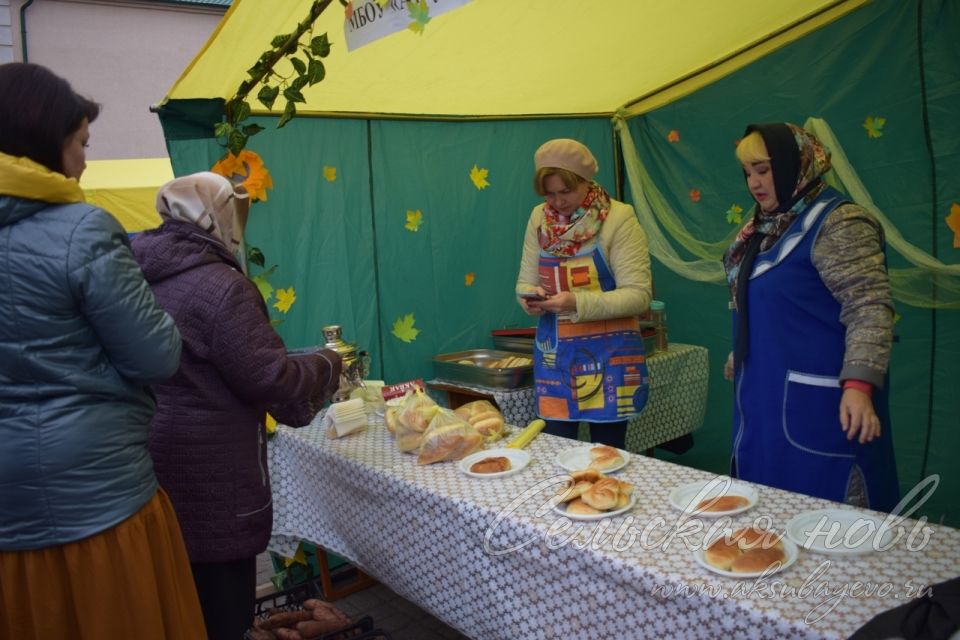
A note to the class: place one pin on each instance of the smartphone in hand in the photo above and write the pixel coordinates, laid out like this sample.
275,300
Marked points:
532,297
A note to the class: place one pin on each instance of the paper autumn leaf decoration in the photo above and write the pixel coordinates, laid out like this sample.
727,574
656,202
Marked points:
419,16
403,328
348,10
695,195
468,279
673,136
414,220
270,423
247,169
733,214
478,177
330,173
263,284
874,126
953,221
285,299
383,3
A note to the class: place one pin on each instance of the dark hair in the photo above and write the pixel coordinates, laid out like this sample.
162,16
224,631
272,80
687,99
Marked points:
38,112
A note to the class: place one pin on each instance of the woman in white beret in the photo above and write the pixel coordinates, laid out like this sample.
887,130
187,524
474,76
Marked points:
585,272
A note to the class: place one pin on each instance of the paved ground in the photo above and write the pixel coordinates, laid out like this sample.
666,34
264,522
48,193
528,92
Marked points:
401,619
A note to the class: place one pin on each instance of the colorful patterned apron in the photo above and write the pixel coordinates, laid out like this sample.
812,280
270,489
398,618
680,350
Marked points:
590,371
786,429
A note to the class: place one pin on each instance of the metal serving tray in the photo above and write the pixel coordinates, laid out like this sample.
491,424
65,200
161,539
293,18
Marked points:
518,344
448,367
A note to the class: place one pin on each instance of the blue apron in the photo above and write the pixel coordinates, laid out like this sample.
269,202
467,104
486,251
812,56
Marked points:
592,371
786,412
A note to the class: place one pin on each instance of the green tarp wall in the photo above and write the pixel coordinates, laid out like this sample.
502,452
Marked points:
343,244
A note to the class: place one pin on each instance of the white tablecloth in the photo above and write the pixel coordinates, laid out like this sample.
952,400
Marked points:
438,538
676,406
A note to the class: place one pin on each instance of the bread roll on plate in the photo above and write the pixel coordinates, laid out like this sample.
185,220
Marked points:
722,503
603,494
756,560
603,457
721,553
590,475
580,508
753,538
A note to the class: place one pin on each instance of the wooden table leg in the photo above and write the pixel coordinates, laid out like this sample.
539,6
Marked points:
360,581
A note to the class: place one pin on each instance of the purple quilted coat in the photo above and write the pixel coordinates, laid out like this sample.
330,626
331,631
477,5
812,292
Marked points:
207,438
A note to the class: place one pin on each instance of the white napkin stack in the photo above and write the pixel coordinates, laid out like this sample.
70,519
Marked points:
343,418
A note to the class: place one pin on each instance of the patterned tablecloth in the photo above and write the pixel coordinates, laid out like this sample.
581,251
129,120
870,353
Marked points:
676,406
489,558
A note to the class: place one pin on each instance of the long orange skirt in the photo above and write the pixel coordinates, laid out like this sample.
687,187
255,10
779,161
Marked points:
131,581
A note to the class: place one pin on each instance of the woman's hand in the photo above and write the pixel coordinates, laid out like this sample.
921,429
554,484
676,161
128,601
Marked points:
532,307
728,368
857,416
559,302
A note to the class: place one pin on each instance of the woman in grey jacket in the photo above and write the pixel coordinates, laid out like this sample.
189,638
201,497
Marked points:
89,547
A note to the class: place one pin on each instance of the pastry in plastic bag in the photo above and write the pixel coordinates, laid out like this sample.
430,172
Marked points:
449,437
417,411
412,419
484,417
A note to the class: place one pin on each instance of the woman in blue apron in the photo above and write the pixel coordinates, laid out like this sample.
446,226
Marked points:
585,272
813,327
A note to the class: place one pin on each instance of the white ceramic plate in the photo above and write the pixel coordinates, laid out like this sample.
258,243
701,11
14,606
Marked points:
561,508
840,532
788,547
518,460
686,497
578,459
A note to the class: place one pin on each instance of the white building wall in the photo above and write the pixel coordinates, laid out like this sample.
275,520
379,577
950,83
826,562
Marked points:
124,55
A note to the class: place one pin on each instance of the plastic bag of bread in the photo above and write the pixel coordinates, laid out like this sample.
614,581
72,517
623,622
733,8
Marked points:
412,419
417,411
390,418
449,437
484,417
407,439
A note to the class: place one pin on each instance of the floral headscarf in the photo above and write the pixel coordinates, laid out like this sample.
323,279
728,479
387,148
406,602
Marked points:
814,162
563,237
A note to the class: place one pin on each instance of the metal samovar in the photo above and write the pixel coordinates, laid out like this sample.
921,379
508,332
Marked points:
355,363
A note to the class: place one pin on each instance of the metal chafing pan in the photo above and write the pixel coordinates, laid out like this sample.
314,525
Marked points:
448,366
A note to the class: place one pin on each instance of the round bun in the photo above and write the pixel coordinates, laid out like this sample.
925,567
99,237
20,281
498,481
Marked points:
723,503
590,475
580,508
753,538
757,560
721,553
604,457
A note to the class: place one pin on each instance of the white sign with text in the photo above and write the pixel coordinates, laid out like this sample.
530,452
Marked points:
370,21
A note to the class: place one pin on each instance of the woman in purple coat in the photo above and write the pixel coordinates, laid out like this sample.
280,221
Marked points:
208,439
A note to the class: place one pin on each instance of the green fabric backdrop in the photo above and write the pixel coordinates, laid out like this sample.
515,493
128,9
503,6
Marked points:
865,64
343,246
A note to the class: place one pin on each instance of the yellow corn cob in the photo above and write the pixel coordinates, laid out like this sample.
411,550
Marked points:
526,436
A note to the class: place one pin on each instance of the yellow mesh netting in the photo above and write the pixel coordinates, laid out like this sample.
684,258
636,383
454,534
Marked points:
929,283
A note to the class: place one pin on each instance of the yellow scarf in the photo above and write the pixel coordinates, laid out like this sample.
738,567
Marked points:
23,178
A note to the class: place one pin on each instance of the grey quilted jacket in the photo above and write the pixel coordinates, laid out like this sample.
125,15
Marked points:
80,337
208,439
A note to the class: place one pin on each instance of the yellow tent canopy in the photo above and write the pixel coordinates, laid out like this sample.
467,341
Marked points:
493,58
127,189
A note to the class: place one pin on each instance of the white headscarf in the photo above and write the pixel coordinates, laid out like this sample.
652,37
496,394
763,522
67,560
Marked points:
209,201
